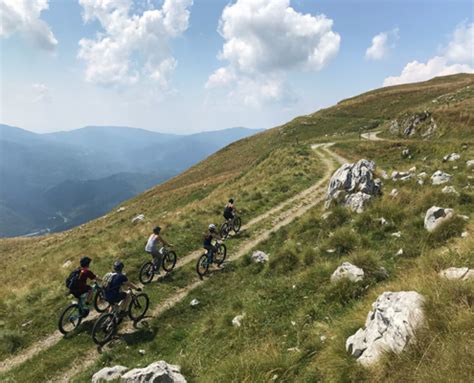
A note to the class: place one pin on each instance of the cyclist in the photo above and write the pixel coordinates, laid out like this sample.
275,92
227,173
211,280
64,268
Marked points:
208,237
117,281
230,210
80,285
151,247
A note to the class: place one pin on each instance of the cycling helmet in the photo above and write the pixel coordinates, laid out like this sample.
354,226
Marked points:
157,230
231,200
212,227
118,266
85,261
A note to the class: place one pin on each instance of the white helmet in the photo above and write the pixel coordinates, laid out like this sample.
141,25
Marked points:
212,227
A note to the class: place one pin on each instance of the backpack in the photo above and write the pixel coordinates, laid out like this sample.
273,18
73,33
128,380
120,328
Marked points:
107,280
73,279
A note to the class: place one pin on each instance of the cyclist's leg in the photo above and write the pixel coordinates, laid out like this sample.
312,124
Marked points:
125,298
157,259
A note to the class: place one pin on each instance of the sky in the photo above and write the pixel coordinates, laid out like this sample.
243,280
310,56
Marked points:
185,66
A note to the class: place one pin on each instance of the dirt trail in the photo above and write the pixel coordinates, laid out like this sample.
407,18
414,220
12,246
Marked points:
298,205
372,136
304,202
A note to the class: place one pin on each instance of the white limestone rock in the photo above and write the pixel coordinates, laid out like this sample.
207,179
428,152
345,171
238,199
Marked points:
158,372
440,177
260,257
356,179
435,216
349,271
470,164
390,326
194,302
454,273
108,374
451,157
138,218
237,321
449,190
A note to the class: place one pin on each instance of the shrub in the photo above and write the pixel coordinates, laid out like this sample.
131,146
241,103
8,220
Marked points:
10,341
339,216
344,241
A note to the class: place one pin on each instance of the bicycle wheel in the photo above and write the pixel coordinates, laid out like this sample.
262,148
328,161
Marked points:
225,230
237,224
146,273
104,329
220,254
100,303
169,261
202,265
70,318
138,306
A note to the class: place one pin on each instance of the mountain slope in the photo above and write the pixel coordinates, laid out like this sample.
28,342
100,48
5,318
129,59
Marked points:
289,303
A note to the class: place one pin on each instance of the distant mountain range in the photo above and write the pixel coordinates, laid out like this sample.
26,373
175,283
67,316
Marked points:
54,181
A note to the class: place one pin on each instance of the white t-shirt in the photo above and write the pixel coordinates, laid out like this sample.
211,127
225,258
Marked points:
151,243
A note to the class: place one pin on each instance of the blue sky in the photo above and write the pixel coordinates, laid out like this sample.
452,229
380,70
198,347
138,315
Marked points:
163,72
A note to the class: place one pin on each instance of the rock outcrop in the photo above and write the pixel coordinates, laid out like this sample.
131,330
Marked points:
347,271
158,372
460,273
108,374
435,216
408,125
389,326
440,177
353,185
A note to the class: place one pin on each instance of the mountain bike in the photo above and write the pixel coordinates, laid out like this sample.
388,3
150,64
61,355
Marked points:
150,268
232,224
205,260
72,315
106,325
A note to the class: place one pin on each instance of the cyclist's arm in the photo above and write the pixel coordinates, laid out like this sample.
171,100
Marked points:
131,285
162,240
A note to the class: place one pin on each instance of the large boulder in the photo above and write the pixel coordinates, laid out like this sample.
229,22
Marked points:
390,326
440,177
435,216
108,374
353,185
158,372
347,271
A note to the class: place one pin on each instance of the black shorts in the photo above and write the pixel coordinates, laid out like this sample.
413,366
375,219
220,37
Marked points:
228,215
77,293
116,298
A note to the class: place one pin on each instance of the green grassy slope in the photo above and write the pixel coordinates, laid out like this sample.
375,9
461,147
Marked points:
289,302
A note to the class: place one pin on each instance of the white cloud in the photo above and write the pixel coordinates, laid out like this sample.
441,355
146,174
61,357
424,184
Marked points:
456,57
23,17
132,46
381,45
264,39
461,47
41,93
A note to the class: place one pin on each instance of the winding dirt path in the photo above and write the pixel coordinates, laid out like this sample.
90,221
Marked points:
283,214
372,136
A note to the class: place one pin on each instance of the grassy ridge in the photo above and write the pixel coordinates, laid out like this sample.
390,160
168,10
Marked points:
262,171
